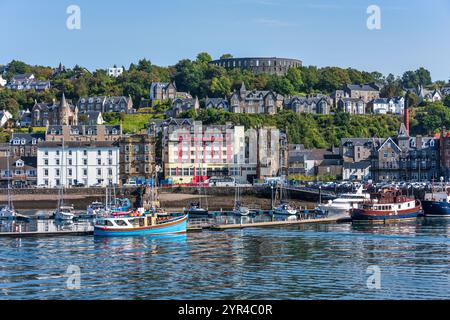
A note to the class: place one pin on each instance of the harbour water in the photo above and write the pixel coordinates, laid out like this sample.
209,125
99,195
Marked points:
323,261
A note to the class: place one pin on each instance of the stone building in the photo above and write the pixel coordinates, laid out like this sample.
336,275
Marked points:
444,149
83,133
163,91
316,105
22,171
365,92
137,157
254,101
62,113
105,104
25,144
262,151
217,103
406,158
278,66
351,105
181,105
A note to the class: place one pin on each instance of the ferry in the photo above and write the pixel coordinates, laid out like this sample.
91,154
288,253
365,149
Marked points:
436,204
387,206
342,205
137,224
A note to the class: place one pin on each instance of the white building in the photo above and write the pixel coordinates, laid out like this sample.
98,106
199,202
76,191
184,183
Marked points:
115,72
4,117
356,171
2,81
90,163
384,105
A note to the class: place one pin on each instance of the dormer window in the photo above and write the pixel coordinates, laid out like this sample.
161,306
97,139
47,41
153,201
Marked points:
33,141
19,164
23,141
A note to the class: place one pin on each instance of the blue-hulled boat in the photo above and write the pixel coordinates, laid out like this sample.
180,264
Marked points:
140,225
436,204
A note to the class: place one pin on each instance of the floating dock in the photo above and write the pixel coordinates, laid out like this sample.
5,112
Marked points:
45,234
221,227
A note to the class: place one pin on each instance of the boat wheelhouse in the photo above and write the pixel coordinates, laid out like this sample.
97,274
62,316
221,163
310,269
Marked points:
387,206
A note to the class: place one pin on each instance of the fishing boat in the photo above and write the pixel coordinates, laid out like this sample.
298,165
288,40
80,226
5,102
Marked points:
436,204
387,206
140,225
342,205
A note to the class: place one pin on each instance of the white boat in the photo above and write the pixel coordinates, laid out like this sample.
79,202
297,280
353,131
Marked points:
240,210
64,213
7,213
342,205
285,209
95,208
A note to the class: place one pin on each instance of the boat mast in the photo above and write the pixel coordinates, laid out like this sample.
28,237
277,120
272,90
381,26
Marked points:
10,203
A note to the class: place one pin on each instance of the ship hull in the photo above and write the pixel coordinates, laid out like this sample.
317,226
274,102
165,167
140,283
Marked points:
366,216
436,208
172,227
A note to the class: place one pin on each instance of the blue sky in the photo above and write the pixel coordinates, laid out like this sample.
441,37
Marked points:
319,32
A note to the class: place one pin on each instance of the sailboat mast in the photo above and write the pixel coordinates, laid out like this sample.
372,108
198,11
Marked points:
10,204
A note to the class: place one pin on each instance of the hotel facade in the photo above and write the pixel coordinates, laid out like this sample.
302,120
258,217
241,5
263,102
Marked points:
94,163
193,152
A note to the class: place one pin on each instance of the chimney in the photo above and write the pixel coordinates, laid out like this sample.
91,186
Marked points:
406,114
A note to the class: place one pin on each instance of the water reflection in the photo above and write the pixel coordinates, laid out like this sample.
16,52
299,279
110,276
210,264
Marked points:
323,261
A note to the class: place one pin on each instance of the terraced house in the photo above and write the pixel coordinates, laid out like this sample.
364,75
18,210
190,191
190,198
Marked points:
137,157
255,101
316,105
62,113
106,104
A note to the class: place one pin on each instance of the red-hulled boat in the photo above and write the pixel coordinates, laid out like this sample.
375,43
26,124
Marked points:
387,206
